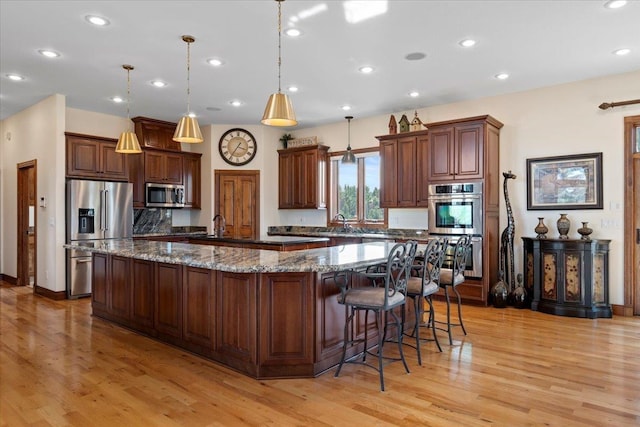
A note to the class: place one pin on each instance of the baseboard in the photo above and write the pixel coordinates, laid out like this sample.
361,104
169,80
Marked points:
622,310
48,293
9,279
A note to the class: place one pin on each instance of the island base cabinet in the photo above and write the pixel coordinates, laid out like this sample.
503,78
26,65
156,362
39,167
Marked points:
142,294
198,294
285,316
168,304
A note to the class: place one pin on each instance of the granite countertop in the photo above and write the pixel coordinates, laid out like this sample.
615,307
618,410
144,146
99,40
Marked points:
267,240
239,260
365,233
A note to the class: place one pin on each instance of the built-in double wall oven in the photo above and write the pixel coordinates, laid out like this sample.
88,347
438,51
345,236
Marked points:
454,210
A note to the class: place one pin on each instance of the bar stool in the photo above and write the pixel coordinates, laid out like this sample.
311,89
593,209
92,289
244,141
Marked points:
423,286
452,277
383,297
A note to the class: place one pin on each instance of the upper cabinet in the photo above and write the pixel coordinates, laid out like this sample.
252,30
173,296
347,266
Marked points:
302,177
191,178
402,156
154,133
95,158
459,149
162,167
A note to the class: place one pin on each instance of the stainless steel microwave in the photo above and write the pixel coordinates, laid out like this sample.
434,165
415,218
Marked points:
164,195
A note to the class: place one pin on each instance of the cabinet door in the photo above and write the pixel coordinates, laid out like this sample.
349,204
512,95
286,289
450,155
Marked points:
173,168
99,283
469,151
136,177
153,166
441,155
191,177
156,134
142,292
168,306
198,307
309,179
83,157
406,192
113,165
298,180
389,175
285,173
120,292
422,182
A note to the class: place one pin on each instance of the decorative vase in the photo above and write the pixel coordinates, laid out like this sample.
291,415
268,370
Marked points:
499,293
519,295
541,229
584,231
564,224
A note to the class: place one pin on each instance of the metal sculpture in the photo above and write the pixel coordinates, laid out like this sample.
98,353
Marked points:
506,240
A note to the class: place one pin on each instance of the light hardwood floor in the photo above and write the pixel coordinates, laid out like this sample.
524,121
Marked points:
60,366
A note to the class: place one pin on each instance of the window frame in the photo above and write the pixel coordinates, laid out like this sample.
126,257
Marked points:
332,197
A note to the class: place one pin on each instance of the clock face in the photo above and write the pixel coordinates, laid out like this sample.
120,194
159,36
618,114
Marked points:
237,147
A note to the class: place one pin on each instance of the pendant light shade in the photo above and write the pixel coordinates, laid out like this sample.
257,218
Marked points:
349,157
188,130
128,141
279,111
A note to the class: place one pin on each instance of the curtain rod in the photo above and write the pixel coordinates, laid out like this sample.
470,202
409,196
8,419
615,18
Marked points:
606,105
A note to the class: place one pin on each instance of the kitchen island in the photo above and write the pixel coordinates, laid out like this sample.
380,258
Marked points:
268,314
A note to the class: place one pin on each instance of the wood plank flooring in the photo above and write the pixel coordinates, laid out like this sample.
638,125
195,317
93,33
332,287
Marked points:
61,367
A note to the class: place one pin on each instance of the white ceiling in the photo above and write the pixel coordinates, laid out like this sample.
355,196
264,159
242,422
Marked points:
539,43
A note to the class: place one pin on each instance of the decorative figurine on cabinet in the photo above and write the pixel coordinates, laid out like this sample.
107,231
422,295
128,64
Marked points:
393,126
404,123
416,123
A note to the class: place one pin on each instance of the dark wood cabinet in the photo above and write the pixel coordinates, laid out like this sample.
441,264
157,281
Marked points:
302,177
168,300
163,167
457,148
402,156
136,178
142,293
157,134
198,292
120,287
192,179
95,158
568,277
99,283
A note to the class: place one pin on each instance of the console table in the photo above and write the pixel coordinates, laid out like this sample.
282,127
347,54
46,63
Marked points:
568,277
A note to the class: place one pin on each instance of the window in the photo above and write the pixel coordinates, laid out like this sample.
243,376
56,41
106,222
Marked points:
355,189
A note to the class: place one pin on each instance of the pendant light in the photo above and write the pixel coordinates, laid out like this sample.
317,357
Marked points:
348,156
188,130
279,111
128,141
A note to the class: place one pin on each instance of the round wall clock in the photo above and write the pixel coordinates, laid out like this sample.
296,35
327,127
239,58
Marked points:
237,147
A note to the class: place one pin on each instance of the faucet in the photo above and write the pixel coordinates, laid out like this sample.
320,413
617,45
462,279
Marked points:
341,217
221,225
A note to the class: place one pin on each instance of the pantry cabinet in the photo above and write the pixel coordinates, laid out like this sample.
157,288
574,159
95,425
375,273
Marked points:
302,177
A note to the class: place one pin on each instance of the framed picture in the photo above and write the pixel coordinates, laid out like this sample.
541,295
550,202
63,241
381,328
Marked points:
565,182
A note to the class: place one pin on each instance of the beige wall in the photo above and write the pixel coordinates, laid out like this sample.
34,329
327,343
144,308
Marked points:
36,133
548,121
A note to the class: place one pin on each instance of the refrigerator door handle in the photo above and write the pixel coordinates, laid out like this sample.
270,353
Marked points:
106,210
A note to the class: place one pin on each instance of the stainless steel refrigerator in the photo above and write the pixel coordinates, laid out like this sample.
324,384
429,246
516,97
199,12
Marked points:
96,210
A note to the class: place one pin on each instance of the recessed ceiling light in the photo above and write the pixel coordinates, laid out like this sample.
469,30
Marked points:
346,107
467,42
414,94
48,53
292,88
415,56
502,76
615,4
235,103
97,20
15,77
366,69
158,83
293,32
117,99
215,62
622,52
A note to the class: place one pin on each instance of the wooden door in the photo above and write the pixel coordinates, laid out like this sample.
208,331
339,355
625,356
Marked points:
632,216
26,223
237,195
389,175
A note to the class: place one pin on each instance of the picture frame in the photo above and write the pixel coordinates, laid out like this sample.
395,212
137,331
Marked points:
565,182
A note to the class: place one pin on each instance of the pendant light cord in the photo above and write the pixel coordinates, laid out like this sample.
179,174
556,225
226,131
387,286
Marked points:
128,68
188,77
279,40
